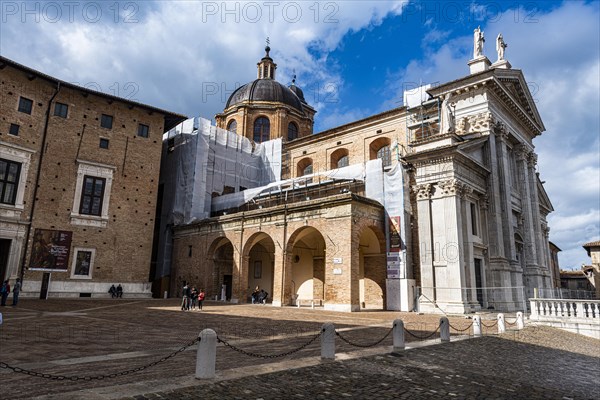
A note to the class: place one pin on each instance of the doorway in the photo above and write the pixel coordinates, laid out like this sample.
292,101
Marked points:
479,281
4,252
227,281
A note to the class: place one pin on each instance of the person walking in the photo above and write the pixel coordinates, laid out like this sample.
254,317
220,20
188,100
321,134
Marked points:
16,291
4,291
185,302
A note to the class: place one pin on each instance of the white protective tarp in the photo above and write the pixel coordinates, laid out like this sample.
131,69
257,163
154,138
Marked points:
351,172
205,160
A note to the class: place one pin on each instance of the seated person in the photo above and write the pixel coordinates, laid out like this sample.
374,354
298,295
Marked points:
255,295
262,297
113,291
119,291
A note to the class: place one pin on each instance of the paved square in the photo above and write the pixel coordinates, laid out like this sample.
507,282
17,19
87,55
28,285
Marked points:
79,338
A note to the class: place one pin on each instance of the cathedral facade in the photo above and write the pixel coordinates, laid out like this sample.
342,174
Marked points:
435,205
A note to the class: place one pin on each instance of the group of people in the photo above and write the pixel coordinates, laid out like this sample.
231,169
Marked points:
192,297
116,292
5,291
259,296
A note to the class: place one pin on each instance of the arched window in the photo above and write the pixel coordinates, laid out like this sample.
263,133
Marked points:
380,148
339,159
304,167
232,126
262,130
292,131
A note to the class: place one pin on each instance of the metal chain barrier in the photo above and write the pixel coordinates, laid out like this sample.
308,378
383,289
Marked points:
364,345
257,355
422,337
511,323
461,330
96,377
490,326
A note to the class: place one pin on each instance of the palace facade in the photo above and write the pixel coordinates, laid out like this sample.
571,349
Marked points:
79,176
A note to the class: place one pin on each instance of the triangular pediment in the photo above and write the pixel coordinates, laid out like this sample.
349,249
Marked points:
514,84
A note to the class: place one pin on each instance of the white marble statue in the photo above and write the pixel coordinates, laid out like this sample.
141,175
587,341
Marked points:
500,46
478,41
447,119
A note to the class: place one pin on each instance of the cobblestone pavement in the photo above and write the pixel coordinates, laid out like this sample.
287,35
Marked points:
78,338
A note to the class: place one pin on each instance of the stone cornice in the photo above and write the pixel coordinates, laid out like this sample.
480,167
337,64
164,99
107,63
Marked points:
372,120
316,204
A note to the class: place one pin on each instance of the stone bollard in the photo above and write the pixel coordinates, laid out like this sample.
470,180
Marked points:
501,325
328,342
520,321
444,329
166,294
398,335
206,357
477,325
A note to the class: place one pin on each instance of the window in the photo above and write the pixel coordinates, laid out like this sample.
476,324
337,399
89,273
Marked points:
262,130
92,195
61,110
473,219
9,181
385,155
106,121
25,105
83,263
232,126
343,162
14,130
304,167
257,269
104,143
143,130
292,131
339,159
307,170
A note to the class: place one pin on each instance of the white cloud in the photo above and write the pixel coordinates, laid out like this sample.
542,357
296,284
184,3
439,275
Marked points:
195,46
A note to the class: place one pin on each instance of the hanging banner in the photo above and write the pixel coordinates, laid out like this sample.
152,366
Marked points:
50,250
393,184
395,234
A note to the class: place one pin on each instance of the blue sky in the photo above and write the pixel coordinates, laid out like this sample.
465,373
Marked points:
352,58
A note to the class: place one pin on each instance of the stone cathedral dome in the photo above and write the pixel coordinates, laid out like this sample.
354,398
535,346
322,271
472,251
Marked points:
266,89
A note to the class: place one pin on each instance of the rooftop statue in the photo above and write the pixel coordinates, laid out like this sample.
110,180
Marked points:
478,41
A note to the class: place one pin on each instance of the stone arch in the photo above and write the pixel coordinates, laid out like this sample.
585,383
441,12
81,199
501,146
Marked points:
372,268
258,265
380,148
339,158
232,126
302,165
221,268
305,264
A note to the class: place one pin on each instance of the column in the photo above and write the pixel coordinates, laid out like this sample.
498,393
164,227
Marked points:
423,193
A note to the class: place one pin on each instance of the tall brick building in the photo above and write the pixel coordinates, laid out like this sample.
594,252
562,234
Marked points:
437,202
78,186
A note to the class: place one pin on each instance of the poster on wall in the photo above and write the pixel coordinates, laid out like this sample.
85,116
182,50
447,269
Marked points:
83,263
394,261
50,251
395,234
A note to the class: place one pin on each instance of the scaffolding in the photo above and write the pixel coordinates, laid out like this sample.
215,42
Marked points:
423,121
